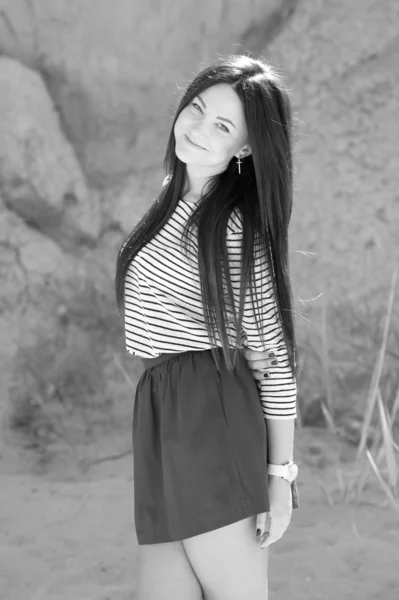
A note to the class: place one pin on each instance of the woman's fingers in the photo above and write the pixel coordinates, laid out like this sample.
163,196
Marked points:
264,529
256,357
260,363
259,375
262,523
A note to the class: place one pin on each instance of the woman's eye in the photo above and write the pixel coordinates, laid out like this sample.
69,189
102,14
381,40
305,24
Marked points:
195,104
225,128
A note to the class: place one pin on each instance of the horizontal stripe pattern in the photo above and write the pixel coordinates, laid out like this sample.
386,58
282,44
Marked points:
278,393
163,307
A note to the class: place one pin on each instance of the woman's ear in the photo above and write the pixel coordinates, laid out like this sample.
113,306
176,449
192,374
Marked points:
246,151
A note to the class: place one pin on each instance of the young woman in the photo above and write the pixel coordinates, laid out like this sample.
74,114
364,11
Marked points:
204,274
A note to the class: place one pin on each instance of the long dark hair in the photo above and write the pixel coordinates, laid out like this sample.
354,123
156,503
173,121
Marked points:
262,193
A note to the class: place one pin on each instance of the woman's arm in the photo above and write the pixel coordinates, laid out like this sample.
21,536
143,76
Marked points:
280,440
280,433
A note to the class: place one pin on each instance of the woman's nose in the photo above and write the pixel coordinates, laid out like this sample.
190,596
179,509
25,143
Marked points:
197,135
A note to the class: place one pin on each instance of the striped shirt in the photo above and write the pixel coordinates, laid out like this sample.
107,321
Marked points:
163,308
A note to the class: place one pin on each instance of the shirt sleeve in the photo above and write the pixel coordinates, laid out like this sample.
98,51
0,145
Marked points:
277,393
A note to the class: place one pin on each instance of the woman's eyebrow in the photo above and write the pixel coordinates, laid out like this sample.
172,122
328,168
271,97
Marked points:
221,118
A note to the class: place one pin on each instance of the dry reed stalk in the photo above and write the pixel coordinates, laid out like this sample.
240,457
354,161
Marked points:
375,380
325,491
390,497
364,475
386,428
395,406
326,357
329,418
387,449
341,482
387,446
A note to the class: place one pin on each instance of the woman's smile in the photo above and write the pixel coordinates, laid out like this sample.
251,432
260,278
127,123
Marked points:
192,143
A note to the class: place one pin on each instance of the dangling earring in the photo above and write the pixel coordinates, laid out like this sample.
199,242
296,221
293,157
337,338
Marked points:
239,165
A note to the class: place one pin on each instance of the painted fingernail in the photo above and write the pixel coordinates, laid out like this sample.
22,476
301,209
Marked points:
274,362
265,374
271,354
258,532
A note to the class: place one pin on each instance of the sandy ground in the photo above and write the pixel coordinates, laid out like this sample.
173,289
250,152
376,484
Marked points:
69,536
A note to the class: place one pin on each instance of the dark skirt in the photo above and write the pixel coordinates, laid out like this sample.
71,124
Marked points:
199,447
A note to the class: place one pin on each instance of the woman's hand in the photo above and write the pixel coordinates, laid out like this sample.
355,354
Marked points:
273,524
259,362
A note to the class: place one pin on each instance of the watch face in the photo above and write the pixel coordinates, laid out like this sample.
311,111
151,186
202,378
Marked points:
292,472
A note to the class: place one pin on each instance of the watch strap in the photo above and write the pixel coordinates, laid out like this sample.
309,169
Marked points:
294,494
278,470
281,471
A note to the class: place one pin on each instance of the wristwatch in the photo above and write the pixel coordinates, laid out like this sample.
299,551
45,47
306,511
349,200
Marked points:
289,471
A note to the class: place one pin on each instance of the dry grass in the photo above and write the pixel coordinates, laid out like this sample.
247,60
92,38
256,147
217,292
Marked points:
379,458
64,385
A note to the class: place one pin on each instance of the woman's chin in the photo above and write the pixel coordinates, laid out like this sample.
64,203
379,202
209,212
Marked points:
180,151
185,157
181,155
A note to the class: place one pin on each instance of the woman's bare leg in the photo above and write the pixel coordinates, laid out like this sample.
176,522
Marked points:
164,573
229,562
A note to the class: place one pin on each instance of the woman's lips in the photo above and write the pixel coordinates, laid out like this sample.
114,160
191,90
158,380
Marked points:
193,144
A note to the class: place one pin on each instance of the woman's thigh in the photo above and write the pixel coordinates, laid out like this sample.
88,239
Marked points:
164,572
229,562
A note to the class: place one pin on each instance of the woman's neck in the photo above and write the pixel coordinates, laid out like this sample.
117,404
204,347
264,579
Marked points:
195,183
190,197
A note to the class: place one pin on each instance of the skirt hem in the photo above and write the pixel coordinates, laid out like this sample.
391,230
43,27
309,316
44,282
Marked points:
230,513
